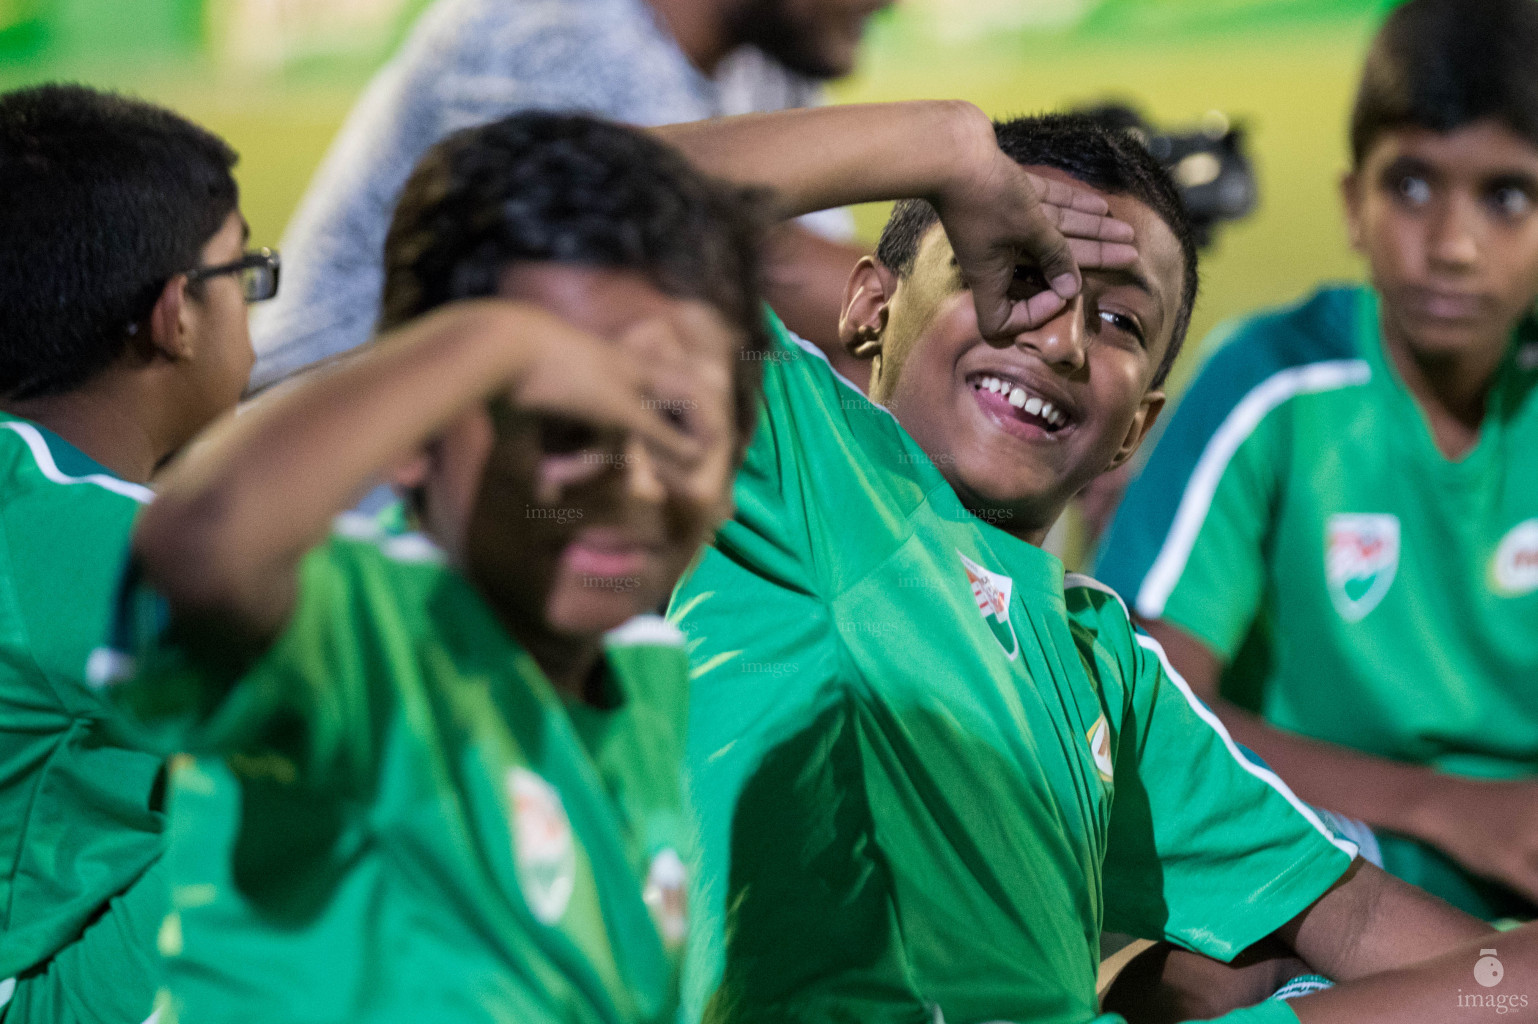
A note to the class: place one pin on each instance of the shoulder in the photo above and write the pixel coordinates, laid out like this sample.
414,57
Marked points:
36,464
1259,362
1097,613
645,632
648,653
372,567
61,517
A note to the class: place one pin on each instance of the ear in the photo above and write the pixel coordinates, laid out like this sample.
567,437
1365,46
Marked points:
867,294
1351,199
169,334
1142,422
413,470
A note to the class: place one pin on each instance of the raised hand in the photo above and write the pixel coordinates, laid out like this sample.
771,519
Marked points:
999,216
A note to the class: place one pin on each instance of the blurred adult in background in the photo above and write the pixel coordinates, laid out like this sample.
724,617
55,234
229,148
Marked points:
1336,539
468,62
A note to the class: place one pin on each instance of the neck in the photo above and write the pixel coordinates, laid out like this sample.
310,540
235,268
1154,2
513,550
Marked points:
1451,390
701,30
568,662
100,419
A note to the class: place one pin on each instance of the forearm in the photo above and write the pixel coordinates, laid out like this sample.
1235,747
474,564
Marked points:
1384,794
1371,922
239,509
822,157
1436,991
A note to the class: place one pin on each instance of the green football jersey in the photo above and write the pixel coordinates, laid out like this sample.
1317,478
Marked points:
408,823
1298,519
928,772
78,826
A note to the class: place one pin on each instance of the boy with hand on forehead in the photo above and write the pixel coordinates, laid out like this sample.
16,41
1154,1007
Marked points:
930,768
453,782
1335,538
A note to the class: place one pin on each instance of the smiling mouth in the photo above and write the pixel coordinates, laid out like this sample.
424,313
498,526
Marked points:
1447,306
604,553
1016,406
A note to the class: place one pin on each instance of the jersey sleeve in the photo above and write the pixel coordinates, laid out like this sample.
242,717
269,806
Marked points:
1188,543
1207,847
304,701
775,772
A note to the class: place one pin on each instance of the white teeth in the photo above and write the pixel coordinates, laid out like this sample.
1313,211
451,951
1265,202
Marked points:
1019,398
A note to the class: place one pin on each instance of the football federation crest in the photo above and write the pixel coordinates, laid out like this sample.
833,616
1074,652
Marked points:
1515,569
1099,737
991,590
1361,558
667,896
543,847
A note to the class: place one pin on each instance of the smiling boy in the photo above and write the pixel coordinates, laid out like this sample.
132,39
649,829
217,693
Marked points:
963,766
1335,538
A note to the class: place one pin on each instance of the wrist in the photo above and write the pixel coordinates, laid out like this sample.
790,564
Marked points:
970,153
492,341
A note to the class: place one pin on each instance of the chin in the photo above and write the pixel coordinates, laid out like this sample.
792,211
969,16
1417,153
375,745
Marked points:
588,614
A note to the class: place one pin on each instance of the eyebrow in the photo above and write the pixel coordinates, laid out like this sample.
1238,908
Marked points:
1133,276
1513,179
245,231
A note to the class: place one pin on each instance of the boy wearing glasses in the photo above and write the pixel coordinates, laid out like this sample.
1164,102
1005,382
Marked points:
123,291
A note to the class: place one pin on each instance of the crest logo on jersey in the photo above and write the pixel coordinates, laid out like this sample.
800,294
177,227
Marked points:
1361,558
1515,568
1099,737
543,847
991,591
667,896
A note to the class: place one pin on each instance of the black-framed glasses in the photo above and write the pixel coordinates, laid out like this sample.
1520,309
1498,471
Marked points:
257,270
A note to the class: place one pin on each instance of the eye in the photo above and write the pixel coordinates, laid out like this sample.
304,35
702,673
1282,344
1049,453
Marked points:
1415,191
1029,278
1126,324
1511,202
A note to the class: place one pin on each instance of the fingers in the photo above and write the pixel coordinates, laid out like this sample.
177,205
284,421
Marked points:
1024,315
1077,224
1091,255
1060,193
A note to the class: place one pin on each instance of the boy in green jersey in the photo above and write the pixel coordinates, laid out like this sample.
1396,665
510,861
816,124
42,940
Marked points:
930,769
451,786
457,798
123,292
1336,538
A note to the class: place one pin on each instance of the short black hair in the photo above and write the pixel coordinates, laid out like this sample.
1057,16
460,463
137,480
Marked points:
1111,161
1444,64
105,199
571,188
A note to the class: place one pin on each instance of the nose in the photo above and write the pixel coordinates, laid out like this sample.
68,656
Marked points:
642,482
1060,341
1454,234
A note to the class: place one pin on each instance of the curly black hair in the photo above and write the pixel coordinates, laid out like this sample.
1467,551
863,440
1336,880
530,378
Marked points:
1444,64
577,189
105,199
1111,161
